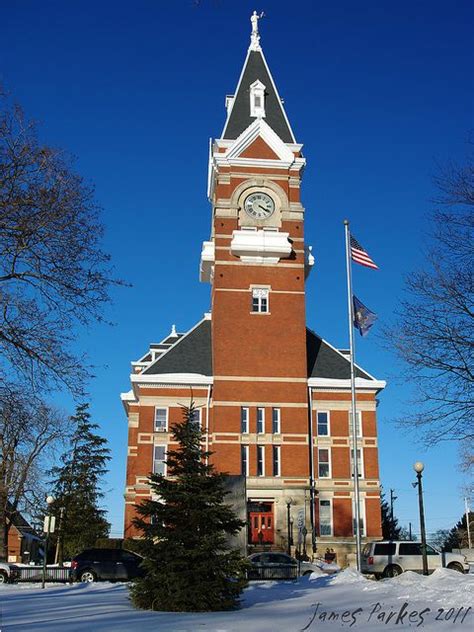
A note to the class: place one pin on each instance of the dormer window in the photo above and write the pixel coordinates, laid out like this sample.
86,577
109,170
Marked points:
257,99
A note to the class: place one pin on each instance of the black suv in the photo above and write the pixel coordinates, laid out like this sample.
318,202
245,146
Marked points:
105,564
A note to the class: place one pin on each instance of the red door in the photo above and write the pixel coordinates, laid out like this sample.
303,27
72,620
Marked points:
261,526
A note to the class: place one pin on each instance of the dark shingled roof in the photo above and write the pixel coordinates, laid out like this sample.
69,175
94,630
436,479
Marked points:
190,354
324,361
193,354
240,117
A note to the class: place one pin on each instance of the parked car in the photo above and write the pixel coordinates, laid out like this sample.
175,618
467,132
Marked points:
8,573
105,564
276,565
391,558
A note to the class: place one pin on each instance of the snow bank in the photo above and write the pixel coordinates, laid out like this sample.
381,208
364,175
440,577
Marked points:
349,576
438,603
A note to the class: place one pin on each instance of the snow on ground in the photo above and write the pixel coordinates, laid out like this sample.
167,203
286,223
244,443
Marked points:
442,601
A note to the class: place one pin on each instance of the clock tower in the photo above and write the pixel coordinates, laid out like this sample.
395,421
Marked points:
257,263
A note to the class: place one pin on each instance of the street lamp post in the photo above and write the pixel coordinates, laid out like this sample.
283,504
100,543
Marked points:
288,523
48,530
419,467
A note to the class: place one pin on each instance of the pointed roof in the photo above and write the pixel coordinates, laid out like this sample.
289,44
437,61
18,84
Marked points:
256,69
325,361
190,354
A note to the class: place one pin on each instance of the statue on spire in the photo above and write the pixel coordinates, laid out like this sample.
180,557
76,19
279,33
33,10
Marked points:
255,35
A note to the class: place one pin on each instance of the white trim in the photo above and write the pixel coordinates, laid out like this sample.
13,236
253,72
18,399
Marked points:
328,450
262,448
244,448
172,378
331,517
278,410
361,383
263,420
276,449
165,429
362,516
159,445
258,128
328,413
247,420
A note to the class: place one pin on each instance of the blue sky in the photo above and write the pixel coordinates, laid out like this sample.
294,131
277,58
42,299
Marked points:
378,92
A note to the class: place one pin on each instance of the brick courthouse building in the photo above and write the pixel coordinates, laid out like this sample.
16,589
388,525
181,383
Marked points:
273,396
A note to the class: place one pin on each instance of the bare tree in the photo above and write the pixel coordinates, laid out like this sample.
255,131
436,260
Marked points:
29,433
434,334
54,275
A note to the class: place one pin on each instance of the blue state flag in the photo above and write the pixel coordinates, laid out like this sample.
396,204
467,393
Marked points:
363,317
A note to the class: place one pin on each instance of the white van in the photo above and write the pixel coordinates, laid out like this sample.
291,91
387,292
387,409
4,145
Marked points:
391,558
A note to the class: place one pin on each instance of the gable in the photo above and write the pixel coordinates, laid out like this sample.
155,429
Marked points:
259,149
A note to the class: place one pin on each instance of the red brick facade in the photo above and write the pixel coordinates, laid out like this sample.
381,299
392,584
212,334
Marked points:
265,383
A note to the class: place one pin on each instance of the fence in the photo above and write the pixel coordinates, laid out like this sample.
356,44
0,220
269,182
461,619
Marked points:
35,574
275,571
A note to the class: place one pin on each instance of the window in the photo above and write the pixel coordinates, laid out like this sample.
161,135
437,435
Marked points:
409,548
161,419
159,455
276,416
323,423
196,416
257,99
244,460
260,460
260,300
358,424
325,517
276,460
244,420
361,517
323,463
385,549
360,463
260,420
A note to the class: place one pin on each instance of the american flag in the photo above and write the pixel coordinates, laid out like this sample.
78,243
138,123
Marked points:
359,255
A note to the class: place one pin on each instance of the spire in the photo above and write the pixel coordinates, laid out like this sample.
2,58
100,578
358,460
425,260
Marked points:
255,35
256,95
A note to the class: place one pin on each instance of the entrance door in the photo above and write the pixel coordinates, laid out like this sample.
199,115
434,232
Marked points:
261,523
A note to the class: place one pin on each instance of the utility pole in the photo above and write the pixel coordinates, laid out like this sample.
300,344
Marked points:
410,536
467,522
393,498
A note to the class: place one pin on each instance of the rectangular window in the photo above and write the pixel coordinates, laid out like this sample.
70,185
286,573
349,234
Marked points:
260,300
244,420
358,423
325,517
260,460
260,420
323,463
161,419
276,460
276,418
323,424
196,416
361,517
360,463
244,460
159,456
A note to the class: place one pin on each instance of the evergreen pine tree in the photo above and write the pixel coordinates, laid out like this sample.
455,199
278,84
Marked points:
457,537
186,524
390,527
76,488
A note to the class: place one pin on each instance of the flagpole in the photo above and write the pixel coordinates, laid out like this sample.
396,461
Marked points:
355,469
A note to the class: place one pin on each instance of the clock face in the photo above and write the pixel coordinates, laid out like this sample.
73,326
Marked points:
259,205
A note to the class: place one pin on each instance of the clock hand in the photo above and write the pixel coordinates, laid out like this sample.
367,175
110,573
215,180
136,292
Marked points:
264,208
